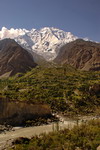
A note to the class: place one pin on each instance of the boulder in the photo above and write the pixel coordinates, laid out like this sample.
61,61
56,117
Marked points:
98,148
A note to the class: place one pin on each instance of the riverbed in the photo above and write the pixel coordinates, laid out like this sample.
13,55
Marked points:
8,136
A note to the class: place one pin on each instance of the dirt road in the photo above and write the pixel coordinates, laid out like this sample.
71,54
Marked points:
7,137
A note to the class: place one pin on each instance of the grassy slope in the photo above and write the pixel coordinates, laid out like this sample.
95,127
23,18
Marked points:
63,88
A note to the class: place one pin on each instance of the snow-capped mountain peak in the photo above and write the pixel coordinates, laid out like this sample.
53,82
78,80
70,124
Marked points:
44,41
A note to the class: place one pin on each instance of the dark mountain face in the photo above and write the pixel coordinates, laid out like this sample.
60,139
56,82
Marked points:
84,55
14,59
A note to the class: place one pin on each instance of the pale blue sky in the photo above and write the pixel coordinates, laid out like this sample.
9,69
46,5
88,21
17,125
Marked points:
81,17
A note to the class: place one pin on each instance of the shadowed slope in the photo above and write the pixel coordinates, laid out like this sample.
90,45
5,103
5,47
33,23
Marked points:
14,59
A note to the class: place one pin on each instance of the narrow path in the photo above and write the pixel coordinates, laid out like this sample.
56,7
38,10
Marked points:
7,137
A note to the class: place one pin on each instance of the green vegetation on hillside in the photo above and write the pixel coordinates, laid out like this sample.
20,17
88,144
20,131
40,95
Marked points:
64,88
83,137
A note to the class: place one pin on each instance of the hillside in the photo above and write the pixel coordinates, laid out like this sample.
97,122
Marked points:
84,55
14,59
63,88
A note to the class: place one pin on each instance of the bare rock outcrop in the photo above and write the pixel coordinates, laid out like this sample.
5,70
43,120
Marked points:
14,59
17,113
84,55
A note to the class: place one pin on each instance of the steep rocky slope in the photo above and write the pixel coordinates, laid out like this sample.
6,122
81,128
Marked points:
17,113
81,54
14,59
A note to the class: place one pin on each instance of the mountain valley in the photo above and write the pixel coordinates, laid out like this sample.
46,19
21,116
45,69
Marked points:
44,74
44,42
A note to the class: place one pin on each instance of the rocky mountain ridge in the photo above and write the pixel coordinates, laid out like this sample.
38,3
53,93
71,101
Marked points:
14,59
84,55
